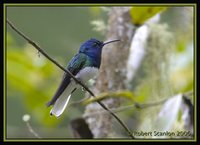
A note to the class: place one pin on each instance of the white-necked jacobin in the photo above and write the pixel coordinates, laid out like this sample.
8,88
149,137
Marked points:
84,66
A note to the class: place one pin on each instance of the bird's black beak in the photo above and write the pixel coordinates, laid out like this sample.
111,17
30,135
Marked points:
110,41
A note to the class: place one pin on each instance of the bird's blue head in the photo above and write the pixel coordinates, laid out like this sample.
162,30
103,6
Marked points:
93,47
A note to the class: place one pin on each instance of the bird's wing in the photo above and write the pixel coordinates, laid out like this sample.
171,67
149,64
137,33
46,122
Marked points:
77,63
74,66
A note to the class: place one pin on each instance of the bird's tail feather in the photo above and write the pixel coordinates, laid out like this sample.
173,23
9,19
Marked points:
62,101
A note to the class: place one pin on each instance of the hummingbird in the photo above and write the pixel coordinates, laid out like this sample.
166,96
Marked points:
84,66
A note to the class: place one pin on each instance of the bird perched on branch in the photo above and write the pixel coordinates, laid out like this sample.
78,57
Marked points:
84,66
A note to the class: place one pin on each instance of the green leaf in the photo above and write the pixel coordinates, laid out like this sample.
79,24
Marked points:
140,15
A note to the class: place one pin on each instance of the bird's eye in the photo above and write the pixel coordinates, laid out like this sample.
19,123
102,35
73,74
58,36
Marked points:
94,44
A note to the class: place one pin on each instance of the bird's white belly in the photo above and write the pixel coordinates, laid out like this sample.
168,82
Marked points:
87,73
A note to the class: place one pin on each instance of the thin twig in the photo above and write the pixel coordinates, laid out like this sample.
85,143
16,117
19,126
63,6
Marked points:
142,106
135,105
26,119
31,130
70,74
152,104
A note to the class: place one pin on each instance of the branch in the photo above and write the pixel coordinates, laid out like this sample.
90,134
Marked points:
70,74
142,106
134,105
123,108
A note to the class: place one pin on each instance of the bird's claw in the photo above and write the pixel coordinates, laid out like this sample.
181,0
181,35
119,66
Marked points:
83,89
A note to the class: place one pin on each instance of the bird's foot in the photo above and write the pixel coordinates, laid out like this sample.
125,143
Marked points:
83,89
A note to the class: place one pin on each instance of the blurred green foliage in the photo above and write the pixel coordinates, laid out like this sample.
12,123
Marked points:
31,78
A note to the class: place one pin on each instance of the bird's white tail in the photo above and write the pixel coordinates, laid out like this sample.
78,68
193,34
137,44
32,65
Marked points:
62,101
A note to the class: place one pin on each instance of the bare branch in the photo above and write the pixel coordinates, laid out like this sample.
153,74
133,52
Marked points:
142,106
134,105
70,74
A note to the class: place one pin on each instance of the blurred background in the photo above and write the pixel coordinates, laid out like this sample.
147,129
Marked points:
31,79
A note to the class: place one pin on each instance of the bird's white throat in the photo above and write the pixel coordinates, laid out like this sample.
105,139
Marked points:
87,73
